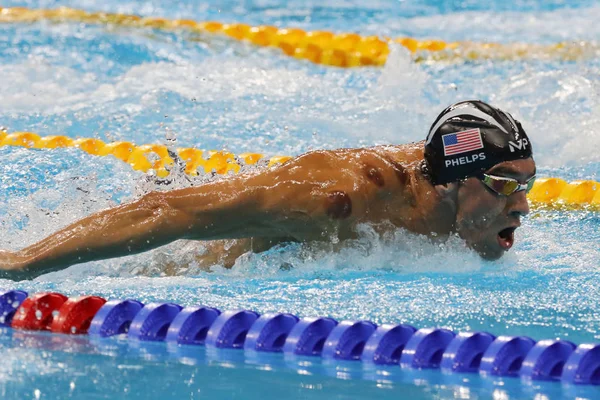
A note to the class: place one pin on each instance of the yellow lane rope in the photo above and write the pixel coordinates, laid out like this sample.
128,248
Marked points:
320,47
553,192
145,157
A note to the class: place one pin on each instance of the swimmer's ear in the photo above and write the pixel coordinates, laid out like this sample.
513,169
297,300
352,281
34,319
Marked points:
447,191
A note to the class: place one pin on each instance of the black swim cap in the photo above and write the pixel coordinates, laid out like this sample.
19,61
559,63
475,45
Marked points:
470,137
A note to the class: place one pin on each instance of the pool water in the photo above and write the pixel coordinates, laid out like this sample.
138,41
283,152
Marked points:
146,86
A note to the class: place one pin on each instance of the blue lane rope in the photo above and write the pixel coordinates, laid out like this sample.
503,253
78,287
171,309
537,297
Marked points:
403,345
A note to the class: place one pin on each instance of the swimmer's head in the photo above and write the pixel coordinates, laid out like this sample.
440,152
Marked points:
470,137
480,157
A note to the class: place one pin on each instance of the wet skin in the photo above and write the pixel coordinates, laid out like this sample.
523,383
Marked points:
314,197
482,214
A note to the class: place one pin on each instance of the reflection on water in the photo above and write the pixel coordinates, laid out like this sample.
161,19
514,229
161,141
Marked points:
148,87
118,367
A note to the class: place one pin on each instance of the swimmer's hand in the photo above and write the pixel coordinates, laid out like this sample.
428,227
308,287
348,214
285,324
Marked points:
12,266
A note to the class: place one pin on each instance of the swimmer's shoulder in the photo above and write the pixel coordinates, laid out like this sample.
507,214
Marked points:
398,160
398,165
404,156
407,153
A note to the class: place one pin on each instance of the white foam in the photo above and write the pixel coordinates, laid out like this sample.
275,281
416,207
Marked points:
64,195
557,107
295,106
508,26
370,252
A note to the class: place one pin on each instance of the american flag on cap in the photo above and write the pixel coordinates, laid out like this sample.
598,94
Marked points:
462,142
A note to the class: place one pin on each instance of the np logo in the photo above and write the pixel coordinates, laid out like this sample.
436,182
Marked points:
520,144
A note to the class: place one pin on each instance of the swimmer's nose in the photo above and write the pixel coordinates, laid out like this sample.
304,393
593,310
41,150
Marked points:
518,204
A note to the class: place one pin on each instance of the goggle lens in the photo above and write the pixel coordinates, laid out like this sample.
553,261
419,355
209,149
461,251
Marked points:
506,186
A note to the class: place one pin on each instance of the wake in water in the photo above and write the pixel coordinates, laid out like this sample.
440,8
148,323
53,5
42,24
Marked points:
75,191
395,251
264,102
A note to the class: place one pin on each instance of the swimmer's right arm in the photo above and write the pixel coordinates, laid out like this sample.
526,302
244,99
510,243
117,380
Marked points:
281,202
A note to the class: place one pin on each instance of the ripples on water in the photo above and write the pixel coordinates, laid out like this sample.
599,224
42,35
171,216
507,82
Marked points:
121,84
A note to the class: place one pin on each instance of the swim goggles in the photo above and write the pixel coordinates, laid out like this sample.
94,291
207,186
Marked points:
505,186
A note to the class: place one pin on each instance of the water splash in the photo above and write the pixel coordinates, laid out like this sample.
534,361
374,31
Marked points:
139,86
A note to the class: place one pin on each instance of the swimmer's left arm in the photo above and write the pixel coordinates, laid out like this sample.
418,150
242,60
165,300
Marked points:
210,211
302,199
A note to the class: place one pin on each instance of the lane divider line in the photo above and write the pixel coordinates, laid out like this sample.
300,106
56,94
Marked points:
548,192
360,341
344,50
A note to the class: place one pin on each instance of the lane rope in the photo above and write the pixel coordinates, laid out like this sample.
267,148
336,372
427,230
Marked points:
550,192
404,345
320,47
359,341
146,157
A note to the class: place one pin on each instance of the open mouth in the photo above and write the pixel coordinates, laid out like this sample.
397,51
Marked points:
506,237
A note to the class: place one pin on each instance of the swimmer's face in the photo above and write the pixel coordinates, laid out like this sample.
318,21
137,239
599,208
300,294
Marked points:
487,220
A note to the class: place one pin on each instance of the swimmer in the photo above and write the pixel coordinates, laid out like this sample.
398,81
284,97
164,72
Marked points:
469,177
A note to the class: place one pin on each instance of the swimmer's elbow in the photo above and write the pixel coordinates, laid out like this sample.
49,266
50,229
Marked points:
153,201
162,207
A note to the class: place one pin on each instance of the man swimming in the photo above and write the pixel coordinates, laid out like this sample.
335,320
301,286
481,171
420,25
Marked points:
470,177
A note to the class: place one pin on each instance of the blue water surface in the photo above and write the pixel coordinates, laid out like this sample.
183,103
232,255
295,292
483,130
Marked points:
185,90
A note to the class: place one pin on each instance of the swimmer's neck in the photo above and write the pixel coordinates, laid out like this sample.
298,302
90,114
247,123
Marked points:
432,208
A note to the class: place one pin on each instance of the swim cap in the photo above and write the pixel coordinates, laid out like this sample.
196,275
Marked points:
470,137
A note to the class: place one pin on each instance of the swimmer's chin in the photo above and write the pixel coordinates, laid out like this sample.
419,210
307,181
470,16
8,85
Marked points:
489,254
